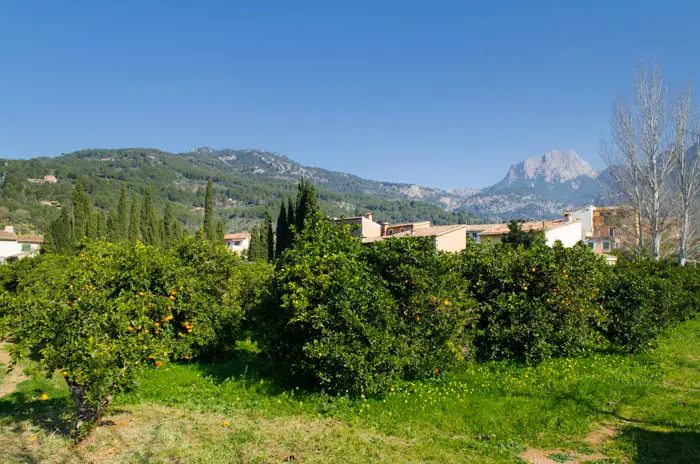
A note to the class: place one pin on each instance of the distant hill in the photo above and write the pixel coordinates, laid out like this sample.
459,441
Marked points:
245,183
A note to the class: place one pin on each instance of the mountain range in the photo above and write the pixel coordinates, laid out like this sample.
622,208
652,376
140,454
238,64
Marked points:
247,182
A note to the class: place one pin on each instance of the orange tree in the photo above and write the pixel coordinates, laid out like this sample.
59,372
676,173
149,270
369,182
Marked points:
535,302
99,316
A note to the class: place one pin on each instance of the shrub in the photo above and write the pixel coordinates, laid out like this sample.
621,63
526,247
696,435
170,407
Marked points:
536,301
638,303
433,308
99,316
329,321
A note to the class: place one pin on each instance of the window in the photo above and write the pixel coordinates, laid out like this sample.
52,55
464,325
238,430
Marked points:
606,246
591,244
611,232
26,247
236,243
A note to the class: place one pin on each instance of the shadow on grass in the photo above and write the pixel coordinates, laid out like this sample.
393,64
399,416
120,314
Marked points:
675,447
51,415
248,366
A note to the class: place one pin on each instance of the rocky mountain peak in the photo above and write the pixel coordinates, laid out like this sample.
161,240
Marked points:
553,167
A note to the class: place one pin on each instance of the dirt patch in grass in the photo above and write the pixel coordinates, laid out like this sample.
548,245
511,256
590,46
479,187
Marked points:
595,439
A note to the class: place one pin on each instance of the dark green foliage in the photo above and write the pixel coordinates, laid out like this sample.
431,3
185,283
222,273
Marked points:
268,237
433,306
517,236
114,308
330,322
209,213
168,232
282,230
134,228
535,302
149,223
59,235
306,203
81,212
646,296
121,224
291,222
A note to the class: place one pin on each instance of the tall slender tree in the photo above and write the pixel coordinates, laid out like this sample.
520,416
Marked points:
168,226
81,212
282,229
209,213
149,223
122,223
219,235
268,237
291,221
307,203
686,154
134,229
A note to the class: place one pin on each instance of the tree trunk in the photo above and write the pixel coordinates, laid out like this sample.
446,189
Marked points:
683,235
87,412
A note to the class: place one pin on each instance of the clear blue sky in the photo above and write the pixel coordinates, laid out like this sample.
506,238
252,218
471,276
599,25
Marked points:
439,93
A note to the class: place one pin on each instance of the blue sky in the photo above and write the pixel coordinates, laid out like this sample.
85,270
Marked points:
441,93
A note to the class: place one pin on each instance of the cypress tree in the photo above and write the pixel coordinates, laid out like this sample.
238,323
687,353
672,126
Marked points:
178,233
291,221
268,238
149,223
307,204
282,230
134,231
59,235
209,213
122,223
168,226
101,225
81,212
219,232
113,227
92,226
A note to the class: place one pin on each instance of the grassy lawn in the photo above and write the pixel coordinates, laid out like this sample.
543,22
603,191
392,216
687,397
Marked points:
237,412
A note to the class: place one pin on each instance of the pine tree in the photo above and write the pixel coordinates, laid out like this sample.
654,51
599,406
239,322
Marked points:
268,238
209,213
168,226
282,230
149,223
122,224
134,232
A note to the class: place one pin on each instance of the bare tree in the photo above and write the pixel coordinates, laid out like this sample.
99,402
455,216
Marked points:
641,159
686,156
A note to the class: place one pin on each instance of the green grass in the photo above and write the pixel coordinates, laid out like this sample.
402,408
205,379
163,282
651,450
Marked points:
482,413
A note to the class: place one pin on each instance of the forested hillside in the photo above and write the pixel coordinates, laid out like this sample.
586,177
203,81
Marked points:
246,183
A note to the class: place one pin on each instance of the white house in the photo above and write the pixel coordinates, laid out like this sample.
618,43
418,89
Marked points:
566,231
14,246
238,243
